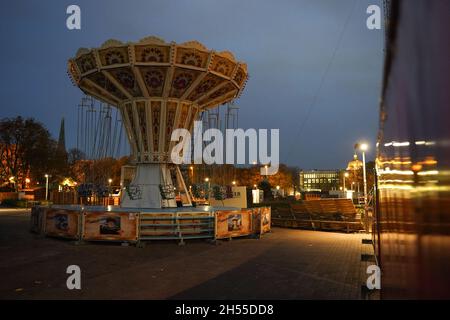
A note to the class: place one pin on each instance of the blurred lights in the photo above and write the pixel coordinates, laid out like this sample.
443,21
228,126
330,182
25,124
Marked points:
363,146
407,143
400,172
428,162
428,173
396,187
400,144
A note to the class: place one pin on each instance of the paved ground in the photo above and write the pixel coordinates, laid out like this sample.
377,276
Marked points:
285,264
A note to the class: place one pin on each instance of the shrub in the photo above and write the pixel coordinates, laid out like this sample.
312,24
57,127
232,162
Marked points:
14,203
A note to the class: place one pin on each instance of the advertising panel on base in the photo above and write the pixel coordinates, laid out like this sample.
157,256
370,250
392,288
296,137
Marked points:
115,226
62,223
261,220
37,219
265,219
233,223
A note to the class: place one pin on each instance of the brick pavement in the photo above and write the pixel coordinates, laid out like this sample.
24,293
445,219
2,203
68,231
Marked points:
285,264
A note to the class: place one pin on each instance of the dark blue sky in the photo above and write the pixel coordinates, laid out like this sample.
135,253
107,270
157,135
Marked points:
287,44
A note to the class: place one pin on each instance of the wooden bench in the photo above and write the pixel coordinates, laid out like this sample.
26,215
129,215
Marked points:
325,214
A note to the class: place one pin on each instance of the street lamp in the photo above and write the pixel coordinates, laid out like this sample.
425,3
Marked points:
109,182
209,186
46,186
13,182
192,173
363,147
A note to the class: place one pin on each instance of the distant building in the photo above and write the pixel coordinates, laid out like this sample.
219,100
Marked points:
320,180
355,164
354,181
62,137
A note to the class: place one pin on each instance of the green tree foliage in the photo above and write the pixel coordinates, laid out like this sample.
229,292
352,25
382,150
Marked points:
267,188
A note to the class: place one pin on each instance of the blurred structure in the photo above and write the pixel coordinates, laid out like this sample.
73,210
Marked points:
412,229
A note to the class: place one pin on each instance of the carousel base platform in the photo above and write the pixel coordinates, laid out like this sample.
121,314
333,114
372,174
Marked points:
138,225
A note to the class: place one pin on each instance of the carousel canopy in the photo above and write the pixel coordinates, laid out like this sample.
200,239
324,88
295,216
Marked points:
154,69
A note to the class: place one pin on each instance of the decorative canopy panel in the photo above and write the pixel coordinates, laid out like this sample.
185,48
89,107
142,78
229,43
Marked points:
158,87
151,68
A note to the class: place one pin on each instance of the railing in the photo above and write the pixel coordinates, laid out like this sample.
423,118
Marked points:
176,226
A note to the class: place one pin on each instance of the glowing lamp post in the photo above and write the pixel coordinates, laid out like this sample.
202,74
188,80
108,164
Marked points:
109,183
345,176
363,147
209,186
13,182
192,174
46,186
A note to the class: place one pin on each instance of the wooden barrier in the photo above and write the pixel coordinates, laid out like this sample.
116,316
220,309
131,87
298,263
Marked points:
64,197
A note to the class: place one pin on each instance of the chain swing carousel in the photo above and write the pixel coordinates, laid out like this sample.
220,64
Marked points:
157,87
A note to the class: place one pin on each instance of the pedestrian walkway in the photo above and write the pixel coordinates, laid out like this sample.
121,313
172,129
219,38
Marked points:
285,264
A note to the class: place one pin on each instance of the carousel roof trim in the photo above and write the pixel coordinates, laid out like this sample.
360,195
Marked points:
153,68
